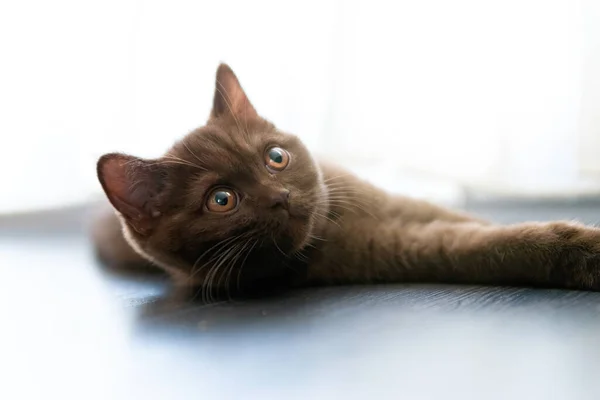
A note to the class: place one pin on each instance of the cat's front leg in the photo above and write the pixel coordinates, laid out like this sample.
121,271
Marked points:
556,254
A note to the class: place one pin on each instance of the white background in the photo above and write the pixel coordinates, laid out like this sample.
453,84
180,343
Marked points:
423,96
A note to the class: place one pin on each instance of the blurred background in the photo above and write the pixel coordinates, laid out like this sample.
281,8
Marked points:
429,98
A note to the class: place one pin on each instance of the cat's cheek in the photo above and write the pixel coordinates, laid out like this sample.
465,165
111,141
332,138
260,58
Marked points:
144,249
300,233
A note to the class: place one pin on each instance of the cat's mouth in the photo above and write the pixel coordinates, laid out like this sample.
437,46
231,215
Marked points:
294,218
290,212
289,228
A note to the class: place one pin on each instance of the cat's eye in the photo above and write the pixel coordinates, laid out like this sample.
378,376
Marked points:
277,159
221,200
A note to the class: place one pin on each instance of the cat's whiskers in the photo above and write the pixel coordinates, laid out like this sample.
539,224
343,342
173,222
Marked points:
240,250
215,268
192,153
218,266
338,203
338,184
193,272
329,188
347,192
351,195
310,245
226,254
301,256
337,177
343,190
223,248
244,263
348,199
327,218
353,200
281,251
173,162
229,269
335,214
315,237
352,207
241,253
172,157
220,247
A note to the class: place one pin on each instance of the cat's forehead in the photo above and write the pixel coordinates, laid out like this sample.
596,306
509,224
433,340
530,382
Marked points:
237,151
230,145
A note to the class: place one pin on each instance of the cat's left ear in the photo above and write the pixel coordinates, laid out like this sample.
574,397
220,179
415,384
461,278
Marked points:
230,99
134,187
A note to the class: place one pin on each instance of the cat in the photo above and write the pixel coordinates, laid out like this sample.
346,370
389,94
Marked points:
238,206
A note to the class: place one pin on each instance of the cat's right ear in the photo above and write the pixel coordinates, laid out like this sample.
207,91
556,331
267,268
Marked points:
230,98
133,186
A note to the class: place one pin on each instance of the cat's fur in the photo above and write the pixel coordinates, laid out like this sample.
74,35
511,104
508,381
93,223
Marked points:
337,229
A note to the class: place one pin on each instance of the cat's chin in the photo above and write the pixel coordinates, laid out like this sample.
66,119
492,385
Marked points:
303,226
302,232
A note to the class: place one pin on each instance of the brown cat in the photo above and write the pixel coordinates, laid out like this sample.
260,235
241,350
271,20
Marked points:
238,206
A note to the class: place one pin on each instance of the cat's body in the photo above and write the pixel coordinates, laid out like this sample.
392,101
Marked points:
296,221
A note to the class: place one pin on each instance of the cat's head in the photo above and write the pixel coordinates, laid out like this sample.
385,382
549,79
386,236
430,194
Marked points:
234,184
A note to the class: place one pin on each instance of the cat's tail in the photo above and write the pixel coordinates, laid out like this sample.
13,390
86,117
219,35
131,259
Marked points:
110,246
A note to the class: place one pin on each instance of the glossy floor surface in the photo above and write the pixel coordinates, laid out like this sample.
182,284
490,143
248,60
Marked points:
72,330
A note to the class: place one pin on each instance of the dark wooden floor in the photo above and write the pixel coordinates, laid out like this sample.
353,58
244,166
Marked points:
71,330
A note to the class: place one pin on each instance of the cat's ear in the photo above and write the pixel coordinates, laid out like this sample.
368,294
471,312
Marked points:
230,99
133,186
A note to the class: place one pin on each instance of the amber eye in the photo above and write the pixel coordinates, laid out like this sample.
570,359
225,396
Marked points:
221,200
277,158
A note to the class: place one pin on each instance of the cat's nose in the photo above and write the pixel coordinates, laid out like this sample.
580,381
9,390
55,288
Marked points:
280,199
